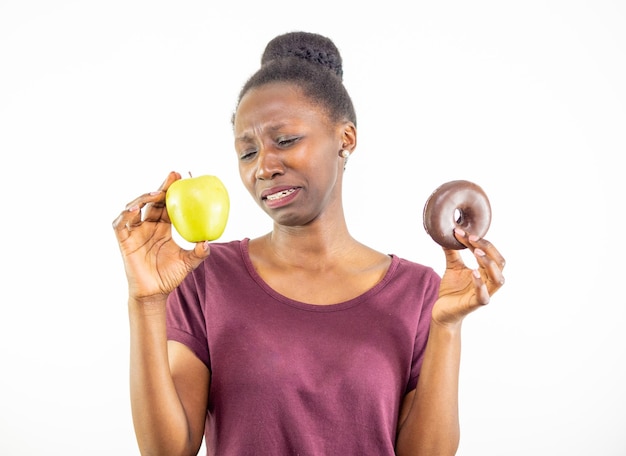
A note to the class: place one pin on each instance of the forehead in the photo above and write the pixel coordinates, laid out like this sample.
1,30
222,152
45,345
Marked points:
277,103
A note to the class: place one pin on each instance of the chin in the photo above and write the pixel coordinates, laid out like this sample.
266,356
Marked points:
290,219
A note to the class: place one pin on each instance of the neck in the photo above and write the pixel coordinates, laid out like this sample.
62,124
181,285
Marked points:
314,244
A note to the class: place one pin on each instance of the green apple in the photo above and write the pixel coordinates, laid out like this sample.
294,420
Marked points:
198,207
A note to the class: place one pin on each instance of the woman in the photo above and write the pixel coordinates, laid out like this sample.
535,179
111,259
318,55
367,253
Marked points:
302,341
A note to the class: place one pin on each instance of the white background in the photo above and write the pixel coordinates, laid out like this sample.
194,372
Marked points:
99,100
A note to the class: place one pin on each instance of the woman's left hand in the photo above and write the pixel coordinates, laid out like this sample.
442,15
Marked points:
462,289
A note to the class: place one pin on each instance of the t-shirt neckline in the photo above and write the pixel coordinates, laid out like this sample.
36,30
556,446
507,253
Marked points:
363,297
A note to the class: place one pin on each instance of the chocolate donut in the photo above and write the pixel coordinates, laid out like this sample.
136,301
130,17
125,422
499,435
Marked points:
457,203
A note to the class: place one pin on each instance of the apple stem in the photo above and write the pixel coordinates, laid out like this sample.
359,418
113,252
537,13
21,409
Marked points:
189,173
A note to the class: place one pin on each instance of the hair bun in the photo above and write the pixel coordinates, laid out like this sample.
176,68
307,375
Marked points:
311,47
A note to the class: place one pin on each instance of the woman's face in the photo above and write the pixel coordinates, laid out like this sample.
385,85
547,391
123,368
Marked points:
288,153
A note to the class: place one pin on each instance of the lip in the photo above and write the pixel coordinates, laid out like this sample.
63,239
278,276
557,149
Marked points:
281,201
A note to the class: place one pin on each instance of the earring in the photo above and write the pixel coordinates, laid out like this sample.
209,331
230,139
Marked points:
344,153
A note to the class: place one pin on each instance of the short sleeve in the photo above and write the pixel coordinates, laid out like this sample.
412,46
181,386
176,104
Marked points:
429,294
185,319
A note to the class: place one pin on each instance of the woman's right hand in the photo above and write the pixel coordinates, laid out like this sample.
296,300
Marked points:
155,264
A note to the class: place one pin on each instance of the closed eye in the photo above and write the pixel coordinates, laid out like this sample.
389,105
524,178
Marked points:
247,155
286,142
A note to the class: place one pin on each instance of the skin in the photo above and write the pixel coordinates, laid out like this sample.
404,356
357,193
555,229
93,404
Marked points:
284,141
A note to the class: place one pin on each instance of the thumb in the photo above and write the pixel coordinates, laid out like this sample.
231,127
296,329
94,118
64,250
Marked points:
454,260
200,252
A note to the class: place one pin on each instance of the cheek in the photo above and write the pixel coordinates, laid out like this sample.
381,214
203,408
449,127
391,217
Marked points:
246,174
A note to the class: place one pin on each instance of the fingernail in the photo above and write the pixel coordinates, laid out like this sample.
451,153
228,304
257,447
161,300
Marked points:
473,238
459,231
479,252
133,208
155,192
475,273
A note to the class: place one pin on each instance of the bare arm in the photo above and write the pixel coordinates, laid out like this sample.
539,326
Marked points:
429,421
429,418
168,384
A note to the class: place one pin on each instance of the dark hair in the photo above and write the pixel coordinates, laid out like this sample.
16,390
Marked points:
313,63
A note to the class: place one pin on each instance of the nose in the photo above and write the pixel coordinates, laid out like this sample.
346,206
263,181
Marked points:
269,164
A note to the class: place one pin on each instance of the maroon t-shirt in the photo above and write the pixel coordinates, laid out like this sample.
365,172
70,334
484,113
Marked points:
290,378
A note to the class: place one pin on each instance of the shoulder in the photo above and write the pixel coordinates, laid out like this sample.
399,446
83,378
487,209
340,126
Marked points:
413,268
225,258
409,275
224,269
228,249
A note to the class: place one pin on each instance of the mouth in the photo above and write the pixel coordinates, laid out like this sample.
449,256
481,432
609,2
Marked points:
279,196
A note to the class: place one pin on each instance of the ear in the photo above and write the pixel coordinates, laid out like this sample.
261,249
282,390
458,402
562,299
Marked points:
348,136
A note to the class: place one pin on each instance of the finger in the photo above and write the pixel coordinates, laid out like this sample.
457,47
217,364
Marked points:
489,249
140,203
198,254
131,215
124,222
155,210
482,292
490,271
454,260
462,236
473,241
172,177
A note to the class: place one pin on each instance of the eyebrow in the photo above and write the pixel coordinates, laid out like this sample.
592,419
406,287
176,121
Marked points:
243,138
246,137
